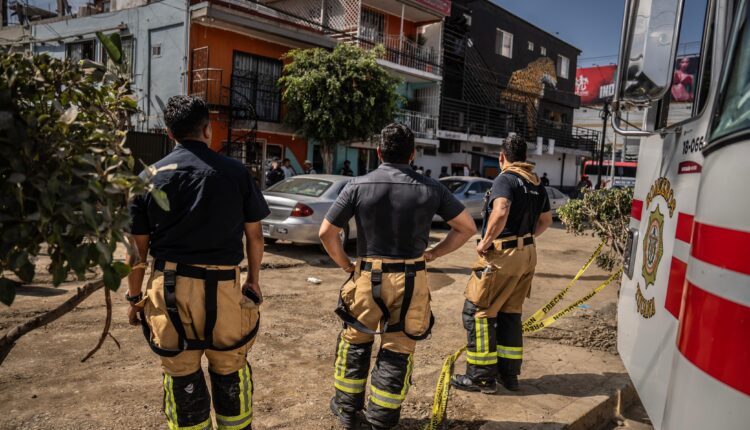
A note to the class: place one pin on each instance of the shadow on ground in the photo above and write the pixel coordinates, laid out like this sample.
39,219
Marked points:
419,424
36,291
569,385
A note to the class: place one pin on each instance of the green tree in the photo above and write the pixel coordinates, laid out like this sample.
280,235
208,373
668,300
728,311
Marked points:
606,214
337,97
65,175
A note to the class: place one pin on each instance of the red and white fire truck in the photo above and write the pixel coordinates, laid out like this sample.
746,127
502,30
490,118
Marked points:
684,307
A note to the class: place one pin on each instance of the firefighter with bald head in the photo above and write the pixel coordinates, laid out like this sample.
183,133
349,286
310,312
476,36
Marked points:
517,211
387,293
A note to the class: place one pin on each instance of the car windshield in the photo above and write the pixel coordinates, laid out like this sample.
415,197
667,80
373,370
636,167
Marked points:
453,185
302,187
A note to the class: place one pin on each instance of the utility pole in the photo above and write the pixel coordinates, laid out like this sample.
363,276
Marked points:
605,118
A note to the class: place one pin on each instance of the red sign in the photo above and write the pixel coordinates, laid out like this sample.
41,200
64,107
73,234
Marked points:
596,84
443,7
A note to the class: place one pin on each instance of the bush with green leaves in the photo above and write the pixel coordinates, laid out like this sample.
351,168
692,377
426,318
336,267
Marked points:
337,96
605,214
65,176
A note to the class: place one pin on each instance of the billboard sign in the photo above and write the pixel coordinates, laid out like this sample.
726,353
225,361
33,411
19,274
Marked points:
443,7
595,85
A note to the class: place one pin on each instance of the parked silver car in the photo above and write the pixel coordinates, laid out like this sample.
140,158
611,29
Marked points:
299,205
556,199
469,190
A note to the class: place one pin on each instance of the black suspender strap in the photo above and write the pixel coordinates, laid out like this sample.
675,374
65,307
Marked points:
376,279
211,282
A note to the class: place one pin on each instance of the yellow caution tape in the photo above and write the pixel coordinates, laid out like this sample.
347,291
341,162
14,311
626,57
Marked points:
533,324
538,315
440,403
549,320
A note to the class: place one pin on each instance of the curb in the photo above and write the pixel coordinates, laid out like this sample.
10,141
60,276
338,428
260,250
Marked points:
598,410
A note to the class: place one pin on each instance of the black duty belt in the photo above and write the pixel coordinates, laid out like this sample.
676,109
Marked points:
410,271
211,279
510,244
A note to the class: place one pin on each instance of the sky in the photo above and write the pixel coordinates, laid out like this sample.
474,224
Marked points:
593,26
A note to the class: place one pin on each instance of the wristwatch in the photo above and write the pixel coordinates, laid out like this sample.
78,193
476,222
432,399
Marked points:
134,299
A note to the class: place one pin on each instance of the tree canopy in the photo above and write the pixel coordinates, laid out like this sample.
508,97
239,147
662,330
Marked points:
65,176
337,96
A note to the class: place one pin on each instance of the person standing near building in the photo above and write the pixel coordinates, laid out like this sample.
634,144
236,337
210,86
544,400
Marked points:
275,174
307,168
286,166
517,212
346,170
545,179
443,172
387,293
194,303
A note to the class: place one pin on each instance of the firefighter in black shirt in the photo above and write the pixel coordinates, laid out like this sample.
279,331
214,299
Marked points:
194,303
517,212
388,294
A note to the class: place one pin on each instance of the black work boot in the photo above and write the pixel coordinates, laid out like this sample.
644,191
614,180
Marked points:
349,421
510,382
465,383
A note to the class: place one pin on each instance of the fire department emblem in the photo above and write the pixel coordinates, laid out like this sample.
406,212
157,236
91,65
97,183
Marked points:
653,246
653,242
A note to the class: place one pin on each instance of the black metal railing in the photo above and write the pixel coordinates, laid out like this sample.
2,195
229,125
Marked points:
147,148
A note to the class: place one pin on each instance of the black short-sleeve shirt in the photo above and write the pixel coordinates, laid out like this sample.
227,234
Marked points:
211,197
528,201
393,207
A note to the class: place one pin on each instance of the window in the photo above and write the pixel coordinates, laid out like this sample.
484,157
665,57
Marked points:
429,150
254,82
127,52
691,75
731,114
531,46
78,51
156,50
504,43
302,186
563,66
543,51
484,186
372,26
453,185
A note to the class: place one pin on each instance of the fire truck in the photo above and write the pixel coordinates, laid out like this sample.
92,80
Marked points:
684,306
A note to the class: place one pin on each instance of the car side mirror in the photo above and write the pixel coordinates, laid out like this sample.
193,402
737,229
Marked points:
470,193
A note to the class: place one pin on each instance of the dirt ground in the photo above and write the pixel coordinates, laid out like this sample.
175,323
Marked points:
44,385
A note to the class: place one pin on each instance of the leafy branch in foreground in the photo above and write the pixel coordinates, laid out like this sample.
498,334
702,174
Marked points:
604,213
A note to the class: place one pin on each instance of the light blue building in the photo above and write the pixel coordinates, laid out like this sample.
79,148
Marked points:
154,36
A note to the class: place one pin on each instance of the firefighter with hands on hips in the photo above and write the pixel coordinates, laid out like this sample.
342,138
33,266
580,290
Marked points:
194,303
517,211
387,293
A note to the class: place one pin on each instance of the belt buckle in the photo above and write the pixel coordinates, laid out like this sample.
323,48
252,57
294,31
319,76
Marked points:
519,242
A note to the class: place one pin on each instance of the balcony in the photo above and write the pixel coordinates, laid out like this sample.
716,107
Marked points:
402,51
568,136
413,49
423,125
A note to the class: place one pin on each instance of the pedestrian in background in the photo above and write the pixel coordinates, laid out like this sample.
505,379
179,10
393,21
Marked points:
275,174
390,273
516,213
443,172
289,171
307,168
194,303
347,169
545,179
428,173
420,170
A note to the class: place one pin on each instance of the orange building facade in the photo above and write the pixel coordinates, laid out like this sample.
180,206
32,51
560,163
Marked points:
235,58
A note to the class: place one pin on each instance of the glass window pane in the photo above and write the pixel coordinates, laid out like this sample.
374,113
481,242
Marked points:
733,113
302,187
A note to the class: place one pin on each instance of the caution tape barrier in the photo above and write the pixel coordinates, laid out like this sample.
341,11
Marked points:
535,323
